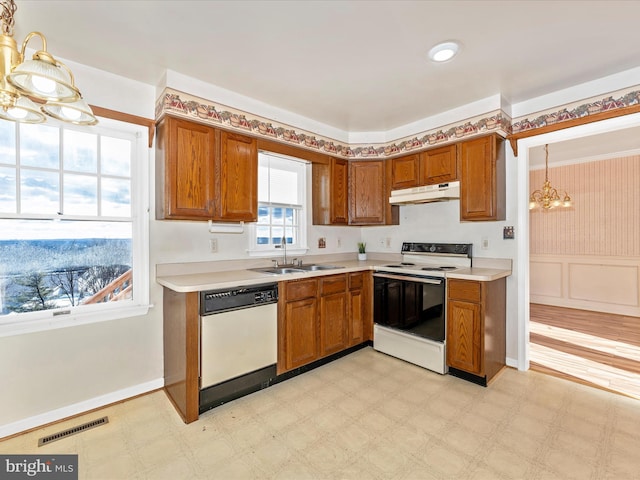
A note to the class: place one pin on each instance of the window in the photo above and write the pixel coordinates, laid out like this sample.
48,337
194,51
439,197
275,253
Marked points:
72,223
281,204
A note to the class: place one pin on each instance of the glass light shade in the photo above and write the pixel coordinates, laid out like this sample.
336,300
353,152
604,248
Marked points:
444,51
24,111
42,79
78,112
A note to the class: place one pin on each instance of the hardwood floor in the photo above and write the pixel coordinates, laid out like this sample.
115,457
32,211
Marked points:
593,348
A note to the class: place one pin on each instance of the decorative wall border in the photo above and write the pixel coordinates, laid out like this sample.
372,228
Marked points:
583,108
180,104
184,105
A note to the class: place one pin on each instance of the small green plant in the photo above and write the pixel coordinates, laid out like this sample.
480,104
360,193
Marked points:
362,247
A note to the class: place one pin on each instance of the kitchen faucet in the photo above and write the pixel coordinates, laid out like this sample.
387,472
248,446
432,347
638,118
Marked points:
283,245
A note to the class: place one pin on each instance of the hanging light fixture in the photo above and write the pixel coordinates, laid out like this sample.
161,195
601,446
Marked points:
43,79
547,197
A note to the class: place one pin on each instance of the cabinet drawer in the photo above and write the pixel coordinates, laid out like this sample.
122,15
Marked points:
464,290
356,281
299,289
333,284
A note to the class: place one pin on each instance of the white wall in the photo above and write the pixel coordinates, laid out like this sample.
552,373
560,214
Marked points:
50,375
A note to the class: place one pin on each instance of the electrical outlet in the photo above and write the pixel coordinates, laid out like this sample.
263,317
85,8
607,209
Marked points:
484,244
508,233
381,242
213,245
387,242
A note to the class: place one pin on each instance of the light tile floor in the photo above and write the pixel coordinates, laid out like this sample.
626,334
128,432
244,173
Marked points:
367,416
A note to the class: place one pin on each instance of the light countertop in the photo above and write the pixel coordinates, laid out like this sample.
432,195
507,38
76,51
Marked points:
199,281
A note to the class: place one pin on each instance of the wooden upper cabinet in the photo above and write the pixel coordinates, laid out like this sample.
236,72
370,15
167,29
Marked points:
439,165
482,179
185,170
405,172
237,178
367,198
330,192
339,191
205,174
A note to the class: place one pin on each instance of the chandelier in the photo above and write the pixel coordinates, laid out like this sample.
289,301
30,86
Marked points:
547,197
43,79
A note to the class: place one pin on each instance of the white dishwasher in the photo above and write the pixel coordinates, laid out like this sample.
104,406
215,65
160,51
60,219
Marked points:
238,342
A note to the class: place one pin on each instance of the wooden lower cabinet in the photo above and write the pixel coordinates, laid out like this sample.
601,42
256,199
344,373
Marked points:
476,342
322,316
297,324
333,314
181,341
359,312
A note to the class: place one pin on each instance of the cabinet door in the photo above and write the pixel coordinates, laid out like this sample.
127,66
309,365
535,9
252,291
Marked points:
439,165
482,179
299,338
330,192
186,157
464,336
238,178
357,309
333,323
405,171
358,312
339,191
366,192
333,314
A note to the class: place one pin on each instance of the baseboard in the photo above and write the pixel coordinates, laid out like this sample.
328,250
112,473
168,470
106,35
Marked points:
78,408
511,362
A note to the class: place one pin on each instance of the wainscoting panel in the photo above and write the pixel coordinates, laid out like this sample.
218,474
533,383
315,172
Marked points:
547,278
610,284
597,283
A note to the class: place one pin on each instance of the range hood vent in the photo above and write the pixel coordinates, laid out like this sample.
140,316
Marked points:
426,194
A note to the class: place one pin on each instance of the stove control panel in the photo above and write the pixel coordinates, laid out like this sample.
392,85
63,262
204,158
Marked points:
463,249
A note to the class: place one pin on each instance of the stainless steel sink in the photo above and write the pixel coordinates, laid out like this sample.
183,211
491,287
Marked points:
314,268
277,270
296,269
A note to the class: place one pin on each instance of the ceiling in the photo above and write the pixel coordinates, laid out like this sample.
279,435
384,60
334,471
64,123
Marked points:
359,66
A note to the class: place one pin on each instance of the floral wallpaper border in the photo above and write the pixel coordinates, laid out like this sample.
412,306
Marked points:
181,104
579,109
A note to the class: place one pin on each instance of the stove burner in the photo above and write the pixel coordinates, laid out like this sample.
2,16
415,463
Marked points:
438,269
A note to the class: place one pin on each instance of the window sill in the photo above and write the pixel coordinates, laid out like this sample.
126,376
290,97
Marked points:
10,327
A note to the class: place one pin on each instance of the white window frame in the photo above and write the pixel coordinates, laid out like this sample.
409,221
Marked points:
271,250
43,320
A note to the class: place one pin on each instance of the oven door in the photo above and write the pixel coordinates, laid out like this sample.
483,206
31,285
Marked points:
413,304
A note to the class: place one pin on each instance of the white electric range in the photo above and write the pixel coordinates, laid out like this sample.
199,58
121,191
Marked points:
410,302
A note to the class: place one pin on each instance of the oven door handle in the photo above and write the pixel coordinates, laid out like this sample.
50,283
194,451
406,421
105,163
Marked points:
393,276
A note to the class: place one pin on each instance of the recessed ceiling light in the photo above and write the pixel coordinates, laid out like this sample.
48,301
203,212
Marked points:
444,51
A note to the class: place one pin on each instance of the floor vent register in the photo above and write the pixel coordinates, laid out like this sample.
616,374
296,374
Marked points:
72,431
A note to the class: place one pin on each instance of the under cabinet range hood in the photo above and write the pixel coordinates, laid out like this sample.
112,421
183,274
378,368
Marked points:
425,194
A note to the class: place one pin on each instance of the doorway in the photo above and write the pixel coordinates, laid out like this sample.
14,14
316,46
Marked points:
601,349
